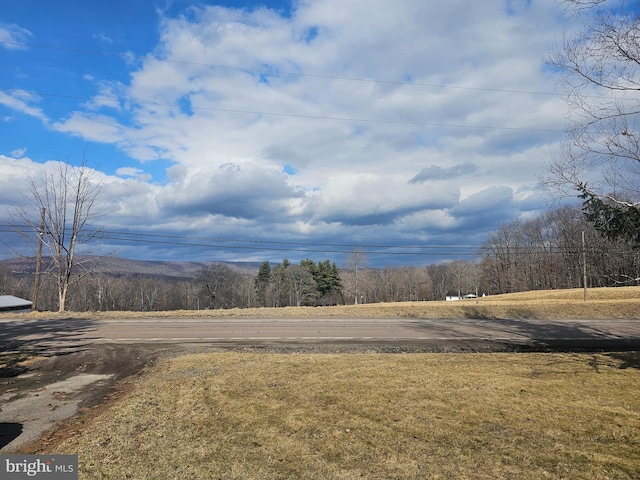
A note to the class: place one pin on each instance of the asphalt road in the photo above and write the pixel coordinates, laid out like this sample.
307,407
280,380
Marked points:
485,334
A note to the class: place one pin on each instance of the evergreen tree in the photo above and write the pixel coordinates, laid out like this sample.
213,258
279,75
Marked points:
328,278
262,282
616,221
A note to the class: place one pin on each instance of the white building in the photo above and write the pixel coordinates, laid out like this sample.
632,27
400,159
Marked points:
452,298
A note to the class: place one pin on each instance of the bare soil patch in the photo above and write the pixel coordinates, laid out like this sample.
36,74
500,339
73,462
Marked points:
29,406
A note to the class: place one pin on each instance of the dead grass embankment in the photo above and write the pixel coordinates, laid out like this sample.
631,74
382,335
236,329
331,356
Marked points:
621,302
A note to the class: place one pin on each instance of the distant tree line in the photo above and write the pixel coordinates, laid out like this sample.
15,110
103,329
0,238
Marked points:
108,292
546,252
305,284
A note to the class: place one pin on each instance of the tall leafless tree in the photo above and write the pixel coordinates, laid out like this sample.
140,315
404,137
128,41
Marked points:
600,67
56,214
219,284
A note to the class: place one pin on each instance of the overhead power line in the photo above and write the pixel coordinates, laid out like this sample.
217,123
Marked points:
373,249
131,56
365,249
266,245
294,115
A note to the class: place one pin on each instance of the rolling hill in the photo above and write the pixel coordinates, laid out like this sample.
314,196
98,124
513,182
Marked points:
126,266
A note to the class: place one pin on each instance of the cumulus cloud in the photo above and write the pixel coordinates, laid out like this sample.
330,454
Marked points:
134,172
339,117
244,191
14,176
349,200
125,200
489,200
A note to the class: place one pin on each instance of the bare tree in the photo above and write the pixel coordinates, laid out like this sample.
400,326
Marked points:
56,215
601,75
220,286
303,285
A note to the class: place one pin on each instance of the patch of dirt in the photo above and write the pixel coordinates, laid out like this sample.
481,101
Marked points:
39,401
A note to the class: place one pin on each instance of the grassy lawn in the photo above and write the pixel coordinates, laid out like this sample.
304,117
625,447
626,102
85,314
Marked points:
371,416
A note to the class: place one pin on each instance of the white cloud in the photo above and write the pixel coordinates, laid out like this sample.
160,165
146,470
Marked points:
19,101
14,176
128,171
12,36
19,152
440,140
126,200
102,38
94,127
224,190
134,172
107,98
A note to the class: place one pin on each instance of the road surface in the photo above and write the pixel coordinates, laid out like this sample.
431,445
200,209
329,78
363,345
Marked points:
427,334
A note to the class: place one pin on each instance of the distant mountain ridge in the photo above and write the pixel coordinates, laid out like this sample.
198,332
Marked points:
126,266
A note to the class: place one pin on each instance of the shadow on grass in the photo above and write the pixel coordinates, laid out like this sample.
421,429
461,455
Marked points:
628,359
23,339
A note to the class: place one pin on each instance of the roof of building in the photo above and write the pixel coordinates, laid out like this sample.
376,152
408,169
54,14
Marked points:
9,302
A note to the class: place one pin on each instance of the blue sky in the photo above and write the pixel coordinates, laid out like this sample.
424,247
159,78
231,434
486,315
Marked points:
367,124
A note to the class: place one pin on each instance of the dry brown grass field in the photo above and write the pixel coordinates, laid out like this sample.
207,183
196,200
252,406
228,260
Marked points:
621,302
371,416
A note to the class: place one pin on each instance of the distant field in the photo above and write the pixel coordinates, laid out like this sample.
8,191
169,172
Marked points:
622,302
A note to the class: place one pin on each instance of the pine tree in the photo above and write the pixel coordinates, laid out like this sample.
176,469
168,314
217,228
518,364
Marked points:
328,281
262,282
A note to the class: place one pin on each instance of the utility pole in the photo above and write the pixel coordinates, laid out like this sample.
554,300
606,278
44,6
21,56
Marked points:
584,266
36,282
356,295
